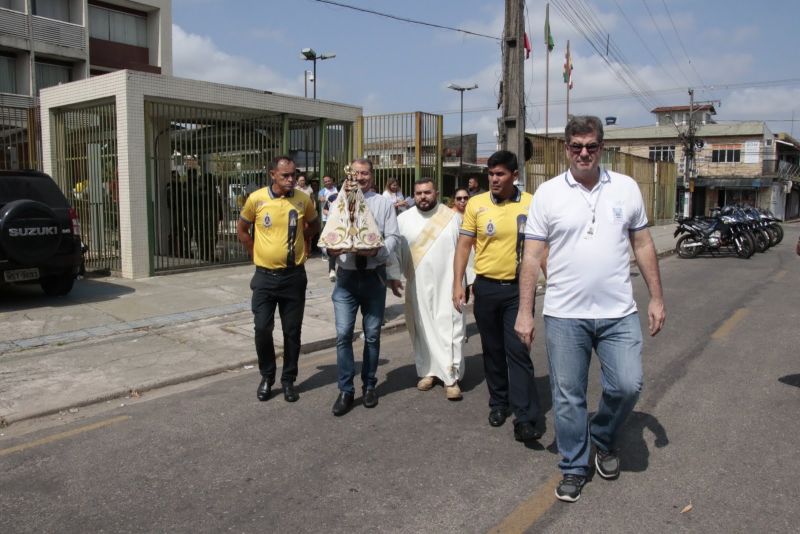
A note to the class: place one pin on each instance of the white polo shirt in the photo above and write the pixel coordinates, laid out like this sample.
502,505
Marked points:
588,266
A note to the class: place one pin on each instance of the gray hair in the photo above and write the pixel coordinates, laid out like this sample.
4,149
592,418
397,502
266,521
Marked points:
363,161
582,125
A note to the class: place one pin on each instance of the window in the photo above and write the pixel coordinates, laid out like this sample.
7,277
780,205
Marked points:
726,155
52,9
8,74
375,159
397,159
50,74
117,26
609,156
662,153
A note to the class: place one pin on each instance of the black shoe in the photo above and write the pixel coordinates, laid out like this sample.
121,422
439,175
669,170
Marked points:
370,399
343,404
607,464
526,431
569,489
289,392
498,416
264,389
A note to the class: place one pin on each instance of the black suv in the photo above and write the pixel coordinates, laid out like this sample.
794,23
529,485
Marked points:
40,234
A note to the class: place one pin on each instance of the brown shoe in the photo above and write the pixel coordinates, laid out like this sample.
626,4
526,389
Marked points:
453,392
425,383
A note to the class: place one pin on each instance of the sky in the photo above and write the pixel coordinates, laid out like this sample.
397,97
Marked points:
744,56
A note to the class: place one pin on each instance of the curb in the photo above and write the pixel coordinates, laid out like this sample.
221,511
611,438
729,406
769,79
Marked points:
308,348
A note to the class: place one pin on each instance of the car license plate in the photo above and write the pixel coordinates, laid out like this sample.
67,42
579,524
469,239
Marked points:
19,275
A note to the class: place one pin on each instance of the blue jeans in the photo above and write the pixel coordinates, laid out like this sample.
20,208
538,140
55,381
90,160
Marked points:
618,344
365,290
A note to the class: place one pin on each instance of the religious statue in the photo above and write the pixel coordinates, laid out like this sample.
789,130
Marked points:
350,226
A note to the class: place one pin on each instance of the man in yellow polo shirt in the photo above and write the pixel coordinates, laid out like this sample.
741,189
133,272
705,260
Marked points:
494,222
281,215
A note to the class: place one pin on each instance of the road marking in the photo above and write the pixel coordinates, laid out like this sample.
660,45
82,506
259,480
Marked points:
731,322
63,435
528,512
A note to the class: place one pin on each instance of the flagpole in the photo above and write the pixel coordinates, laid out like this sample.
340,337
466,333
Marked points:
567,69
547,73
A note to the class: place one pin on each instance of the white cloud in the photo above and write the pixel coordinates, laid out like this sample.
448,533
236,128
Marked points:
198,57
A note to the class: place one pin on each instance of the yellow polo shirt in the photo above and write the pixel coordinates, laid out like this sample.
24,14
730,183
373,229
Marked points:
499,231
278,223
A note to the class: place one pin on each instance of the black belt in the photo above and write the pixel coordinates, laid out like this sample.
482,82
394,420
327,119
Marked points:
279,271
509,282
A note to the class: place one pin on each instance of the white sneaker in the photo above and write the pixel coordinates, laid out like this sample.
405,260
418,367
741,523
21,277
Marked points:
332,276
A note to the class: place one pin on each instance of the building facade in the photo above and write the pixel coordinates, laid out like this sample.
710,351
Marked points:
48,42
735,162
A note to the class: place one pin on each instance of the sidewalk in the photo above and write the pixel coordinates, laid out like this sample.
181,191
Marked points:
111,336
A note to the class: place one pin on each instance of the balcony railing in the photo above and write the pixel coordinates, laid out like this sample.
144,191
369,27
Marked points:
13,23
59,33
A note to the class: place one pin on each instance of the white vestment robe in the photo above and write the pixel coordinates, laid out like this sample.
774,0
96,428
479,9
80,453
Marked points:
425,258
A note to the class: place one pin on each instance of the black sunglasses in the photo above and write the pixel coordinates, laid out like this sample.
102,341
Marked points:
577,148
462,198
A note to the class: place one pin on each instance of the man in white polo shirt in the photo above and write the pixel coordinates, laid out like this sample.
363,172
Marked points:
582,223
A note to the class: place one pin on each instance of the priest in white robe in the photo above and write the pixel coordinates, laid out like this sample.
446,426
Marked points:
429,232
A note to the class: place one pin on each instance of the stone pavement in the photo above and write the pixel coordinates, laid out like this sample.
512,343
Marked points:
111,336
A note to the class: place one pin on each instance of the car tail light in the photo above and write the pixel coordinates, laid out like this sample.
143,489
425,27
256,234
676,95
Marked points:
75,222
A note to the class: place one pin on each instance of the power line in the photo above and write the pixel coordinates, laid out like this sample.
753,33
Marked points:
644,43
410,21
666,44
680,41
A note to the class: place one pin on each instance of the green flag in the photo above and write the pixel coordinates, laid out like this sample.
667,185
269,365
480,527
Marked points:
548,37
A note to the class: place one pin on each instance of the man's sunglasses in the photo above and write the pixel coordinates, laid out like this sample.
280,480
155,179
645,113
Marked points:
462,198
577,148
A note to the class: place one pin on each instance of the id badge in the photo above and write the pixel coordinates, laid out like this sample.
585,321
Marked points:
591,228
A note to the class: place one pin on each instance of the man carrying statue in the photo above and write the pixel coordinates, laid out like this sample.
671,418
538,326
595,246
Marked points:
429,233
361,232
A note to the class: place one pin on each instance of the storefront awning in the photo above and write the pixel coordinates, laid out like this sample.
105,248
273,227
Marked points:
732,182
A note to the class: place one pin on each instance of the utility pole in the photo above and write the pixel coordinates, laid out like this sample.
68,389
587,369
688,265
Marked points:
688,151
511,125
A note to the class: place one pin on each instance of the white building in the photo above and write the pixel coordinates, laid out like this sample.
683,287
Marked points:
47,42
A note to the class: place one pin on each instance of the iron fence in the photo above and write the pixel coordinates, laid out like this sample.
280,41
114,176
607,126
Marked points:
405,146
84,151
204,162
20,138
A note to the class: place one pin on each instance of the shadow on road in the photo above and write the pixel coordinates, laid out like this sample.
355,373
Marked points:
790,380
636,455
25,296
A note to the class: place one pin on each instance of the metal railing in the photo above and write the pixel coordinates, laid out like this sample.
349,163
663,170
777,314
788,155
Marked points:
202,163
405,146
20,138
84,152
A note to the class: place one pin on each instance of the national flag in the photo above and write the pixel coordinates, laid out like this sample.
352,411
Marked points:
527,46
568,68
548,37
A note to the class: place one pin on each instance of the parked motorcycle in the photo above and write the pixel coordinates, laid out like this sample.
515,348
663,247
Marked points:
712,234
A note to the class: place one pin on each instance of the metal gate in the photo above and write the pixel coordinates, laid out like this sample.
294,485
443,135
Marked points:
84,148
20,138
203,163
405,146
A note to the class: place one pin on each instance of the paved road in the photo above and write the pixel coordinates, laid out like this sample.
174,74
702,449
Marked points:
716,428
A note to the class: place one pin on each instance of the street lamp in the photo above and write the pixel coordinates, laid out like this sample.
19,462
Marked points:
310,55
461,90
307,75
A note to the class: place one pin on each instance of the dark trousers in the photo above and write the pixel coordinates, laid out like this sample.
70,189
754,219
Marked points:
506,360
286,289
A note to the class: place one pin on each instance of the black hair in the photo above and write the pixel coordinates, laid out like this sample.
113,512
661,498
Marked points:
505,158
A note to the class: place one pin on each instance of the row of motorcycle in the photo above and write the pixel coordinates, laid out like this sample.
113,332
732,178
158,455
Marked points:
731,229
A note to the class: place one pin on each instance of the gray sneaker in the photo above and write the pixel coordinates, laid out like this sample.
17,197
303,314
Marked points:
569,489
606,463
